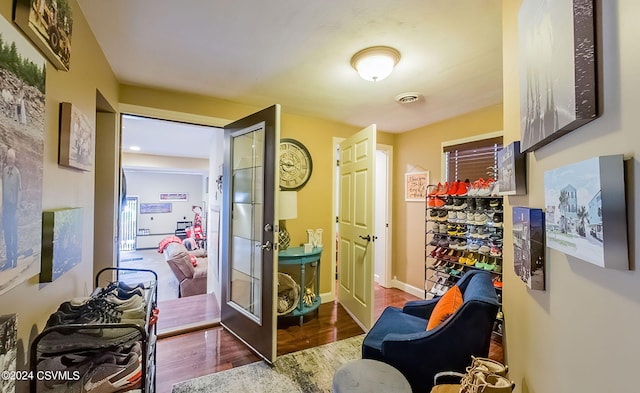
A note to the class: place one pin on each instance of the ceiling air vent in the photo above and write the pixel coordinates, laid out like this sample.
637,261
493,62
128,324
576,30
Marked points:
407,98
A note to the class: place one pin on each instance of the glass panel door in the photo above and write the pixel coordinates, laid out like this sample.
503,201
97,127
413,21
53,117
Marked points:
246,229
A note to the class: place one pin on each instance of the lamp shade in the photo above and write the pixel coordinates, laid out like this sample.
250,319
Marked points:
375,63
288,205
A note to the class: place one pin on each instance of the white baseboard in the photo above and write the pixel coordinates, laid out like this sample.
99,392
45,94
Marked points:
328,297
415,291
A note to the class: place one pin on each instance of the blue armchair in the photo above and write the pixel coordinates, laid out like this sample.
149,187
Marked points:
399,337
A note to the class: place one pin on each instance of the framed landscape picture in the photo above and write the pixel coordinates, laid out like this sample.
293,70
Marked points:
558,69
586,211
48,24
61,242
22,123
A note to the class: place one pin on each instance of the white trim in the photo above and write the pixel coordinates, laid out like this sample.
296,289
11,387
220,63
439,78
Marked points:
415,291
334,214
327,297
164,114
474,138
388,149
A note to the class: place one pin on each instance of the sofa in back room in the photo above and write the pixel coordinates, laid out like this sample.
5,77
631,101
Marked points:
192,279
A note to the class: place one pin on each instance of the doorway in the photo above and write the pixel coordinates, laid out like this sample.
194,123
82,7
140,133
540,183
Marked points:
167,165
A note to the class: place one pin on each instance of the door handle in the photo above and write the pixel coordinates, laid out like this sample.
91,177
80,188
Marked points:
374,237
367,238
267,246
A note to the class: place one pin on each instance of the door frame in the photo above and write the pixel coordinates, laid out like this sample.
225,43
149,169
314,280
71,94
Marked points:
388,149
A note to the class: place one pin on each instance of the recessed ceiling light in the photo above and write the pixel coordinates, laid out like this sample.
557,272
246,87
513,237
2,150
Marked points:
134,148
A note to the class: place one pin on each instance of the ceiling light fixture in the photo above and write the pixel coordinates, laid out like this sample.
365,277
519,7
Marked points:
375,63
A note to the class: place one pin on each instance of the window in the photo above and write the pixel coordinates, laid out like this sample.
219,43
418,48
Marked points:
472,160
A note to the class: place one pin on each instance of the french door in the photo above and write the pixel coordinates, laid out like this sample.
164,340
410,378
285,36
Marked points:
249,257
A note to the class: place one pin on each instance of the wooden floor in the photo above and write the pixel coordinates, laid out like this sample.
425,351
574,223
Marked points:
186,312
207,351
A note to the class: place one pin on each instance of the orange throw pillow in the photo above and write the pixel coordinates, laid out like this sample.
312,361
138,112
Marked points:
448,304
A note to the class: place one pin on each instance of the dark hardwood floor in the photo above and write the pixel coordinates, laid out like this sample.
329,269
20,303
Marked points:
211,350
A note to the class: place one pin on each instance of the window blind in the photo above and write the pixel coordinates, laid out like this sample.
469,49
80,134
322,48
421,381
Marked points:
472,160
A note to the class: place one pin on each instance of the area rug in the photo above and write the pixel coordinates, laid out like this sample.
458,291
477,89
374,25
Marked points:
307,371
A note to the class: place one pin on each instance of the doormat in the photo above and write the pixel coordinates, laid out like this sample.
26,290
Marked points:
308,371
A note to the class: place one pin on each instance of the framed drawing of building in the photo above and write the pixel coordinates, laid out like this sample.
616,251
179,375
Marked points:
586,211
528,246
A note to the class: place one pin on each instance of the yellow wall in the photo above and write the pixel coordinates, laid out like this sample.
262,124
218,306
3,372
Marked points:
420,150
581,333
315,198
63,187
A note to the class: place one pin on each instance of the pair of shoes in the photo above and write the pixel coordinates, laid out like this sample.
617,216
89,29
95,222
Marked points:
435,201
486,376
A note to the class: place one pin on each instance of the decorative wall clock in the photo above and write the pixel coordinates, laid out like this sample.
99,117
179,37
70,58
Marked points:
295,165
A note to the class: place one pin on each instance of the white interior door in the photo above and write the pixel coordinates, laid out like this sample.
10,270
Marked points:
249,260
356,220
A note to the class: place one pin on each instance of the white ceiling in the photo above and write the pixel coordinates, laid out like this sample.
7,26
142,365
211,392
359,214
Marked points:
297,53
166,138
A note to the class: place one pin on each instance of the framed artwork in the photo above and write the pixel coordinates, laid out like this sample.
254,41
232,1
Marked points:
415,186
586,211
48,24
558,69
77,138
61,242
528,246
8,350
174,196
512,170
22,123
155,208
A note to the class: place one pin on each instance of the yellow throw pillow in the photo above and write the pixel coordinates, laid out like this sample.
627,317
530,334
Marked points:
448,304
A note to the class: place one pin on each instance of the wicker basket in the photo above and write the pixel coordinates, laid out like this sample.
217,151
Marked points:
288,294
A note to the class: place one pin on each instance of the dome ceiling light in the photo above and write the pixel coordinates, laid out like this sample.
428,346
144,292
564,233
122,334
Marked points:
375,63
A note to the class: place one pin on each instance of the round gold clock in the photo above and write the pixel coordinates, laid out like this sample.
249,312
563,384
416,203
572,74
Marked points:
295,165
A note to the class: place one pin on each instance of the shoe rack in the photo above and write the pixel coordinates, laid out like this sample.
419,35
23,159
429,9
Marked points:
463,231
72,378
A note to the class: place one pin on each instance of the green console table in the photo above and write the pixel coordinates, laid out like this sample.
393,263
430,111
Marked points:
295,256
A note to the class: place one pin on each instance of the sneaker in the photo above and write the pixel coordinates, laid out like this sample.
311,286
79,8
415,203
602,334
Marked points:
453,216
463,188
448,203
496,251
114,372
497,220
454,188
485,188
459,204
474,246
443,190
461,217
442,216
473,231
475,187
433,190
451,230
480,218
484,249
495,203
435,202
433,214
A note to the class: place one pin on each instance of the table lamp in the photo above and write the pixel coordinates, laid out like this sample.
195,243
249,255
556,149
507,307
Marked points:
288,209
